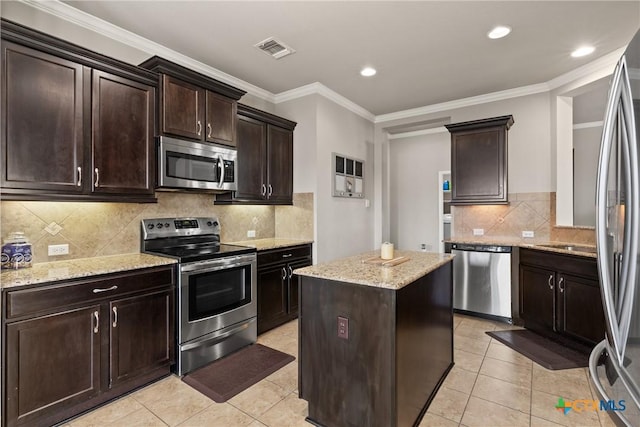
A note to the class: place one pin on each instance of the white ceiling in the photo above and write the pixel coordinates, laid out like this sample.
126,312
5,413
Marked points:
426,52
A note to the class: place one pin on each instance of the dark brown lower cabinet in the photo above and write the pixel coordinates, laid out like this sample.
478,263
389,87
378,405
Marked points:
560,296
71,346
53,362
278,286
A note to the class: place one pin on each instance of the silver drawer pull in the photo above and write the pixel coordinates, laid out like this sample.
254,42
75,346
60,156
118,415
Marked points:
96,317
115,317
550,281
209,130
287,256
561,284
290,272
284,273
199,131
98,290
97,183
79,177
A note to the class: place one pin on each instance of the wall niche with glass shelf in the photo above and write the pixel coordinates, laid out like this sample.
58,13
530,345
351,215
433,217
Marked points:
348,177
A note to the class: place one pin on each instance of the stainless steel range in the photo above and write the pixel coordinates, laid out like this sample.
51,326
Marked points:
217,292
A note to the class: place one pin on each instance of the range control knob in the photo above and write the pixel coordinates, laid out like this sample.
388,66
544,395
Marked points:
215,223
209,223
150,226
166,224
159,225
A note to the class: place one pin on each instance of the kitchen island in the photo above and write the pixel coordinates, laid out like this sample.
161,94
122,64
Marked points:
375,342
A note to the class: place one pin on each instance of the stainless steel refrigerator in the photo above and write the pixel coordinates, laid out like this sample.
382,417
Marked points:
614,365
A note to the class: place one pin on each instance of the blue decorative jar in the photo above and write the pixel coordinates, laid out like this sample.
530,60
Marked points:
16,251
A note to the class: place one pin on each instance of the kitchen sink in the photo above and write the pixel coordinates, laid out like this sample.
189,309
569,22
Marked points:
570,247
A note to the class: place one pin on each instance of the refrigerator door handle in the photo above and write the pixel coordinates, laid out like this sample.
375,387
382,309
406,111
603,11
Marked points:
618,313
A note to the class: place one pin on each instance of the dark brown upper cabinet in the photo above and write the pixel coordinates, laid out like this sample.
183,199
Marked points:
265,159
77,125
479,161
193,105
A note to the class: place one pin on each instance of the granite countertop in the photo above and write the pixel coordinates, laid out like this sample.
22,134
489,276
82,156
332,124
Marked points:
532,244
270,243
75,268
353,270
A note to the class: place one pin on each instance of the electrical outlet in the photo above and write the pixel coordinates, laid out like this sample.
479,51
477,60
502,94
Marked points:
478,231
55,250
423,247
343,327
251,233
528,234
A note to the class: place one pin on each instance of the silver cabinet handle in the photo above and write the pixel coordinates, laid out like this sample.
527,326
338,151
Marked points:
209,130
560,284
79,184
287,255
199,131
550,281
290,272
264,190
115,316
270,191
98,290
284,273
97,183
96,317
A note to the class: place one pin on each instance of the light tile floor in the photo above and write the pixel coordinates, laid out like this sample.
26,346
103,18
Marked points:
490,385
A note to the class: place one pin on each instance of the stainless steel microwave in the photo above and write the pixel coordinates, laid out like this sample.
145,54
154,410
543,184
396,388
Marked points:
193,165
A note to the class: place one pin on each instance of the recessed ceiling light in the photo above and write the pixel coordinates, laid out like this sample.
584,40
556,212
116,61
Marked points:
499,32
583,51
368,72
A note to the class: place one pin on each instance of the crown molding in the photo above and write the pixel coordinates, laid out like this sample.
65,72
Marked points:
431,131
587,125
320,89
107,29
464,102
68,13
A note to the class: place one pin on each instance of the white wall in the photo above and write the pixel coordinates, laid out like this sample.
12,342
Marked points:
345,226
415,163
529,151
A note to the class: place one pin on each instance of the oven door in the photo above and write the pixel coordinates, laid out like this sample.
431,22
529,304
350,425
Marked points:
216,294
194,165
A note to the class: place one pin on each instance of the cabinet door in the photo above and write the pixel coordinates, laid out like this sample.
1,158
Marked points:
279,165
142,335
272,297
293,283
251,146
42,121
183,107
478,166
537,298
53,363
123,155
580,312
221,119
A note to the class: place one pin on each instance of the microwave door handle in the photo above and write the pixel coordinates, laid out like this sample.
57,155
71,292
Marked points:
221,166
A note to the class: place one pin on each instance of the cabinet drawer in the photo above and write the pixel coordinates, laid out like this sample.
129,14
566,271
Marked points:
63,295
580,266
283,254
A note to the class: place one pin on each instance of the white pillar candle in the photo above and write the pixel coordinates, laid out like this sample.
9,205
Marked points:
386,250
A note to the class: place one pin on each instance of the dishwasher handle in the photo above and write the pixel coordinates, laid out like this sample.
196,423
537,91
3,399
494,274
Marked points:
481,248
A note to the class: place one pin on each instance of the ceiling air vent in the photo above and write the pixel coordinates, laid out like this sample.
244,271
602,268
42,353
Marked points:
274,48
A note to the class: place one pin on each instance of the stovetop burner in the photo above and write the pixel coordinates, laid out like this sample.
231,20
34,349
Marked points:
187,239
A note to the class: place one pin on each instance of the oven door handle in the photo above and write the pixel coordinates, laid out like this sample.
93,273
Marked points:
208,341
199,268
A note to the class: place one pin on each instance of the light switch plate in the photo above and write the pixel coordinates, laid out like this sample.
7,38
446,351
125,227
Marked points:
478,231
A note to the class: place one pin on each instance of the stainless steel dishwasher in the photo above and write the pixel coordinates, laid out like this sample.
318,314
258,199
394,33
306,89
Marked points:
482,280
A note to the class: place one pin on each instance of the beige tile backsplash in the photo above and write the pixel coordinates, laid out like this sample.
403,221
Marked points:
95,229
525,212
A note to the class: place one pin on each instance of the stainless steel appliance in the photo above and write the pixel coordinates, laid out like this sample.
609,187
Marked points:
195,165
482,280
217,293
614,365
